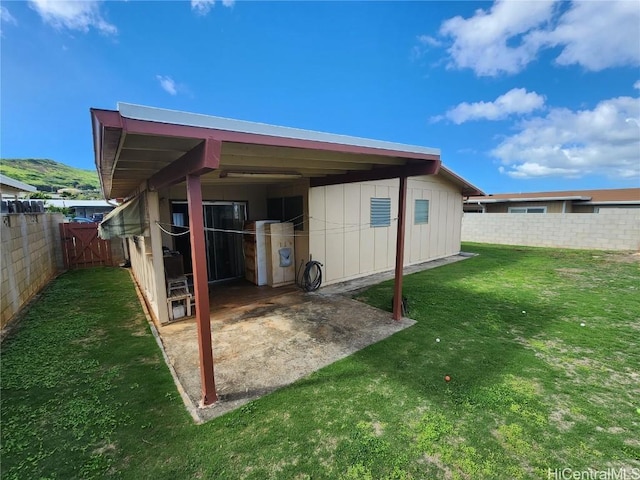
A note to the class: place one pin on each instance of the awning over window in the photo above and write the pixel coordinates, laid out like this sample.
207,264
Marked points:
127,220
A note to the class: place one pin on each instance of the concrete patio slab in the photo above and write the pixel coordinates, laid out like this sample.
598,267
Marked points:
270,344
274,340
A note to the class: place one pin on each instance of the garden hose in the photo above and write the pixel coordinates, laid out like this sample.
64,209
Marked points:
312,276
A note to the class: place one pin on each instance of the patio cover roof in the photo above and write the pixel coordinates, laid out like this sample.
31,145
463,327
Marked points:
135,144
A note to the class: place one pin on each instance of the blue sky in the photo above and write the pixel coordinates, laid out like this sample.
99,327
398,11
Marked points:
519,96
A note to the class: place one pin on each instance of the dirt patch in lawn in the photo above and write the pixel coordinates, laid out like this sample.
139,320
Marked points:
621,257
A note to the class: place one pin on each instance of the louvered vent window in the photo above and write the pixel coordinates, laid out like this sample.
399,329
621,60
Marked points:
380,212
421,212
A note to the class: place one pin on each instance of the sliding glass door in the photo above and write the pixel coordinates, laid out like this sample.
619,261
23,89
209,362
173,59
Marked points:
223,222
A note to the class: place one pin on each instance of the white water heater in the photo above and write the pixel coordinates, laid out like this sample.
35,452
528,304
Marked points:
281,264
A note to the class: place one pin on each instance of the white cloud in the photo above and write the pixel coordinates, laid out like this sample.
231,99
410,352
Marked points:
637,85
429,41
483,41
425,43
597,35
508,36
74,15
168,84
576,143
203,7
516,101
6,17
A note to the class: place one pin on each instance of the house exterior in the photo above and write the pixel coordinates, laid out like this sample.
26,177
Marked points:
574,201
192,182
13,189
13,193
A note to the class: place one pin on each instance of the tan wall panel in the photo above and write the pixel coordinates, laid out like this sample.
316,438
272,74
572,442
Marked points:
392,230
367,234
381,234
455,224
412,236
334,208
353,230
317,224
369,249
425,248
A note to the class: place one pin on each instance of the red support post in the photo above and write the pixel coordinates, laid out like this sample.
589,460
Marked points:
397,292
201,288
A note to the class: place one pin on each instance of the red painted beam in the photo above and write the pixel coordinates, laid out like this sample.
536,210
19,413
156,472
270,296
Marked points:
397,291
428,167
201,288
201,159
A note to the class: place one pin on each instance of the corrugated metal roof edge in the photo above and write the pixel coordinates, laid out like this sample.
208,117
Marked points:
161,115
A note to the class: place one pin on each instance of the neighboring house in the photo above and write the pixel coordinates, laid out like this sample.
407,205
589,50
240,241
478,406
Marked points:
574,201
13,192
350,199
81,208
10,188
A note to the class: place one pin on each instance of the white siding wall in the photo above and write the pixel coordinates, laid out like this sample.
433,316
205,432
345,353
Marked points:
341,238
147,264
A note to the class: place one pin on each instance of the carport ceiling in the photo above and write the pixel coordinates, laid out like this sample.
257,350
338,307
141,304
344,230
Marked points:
143,155
131,149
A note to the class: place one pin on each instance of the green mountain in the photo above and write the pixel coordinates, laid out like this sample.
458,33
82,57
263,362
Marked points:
48,175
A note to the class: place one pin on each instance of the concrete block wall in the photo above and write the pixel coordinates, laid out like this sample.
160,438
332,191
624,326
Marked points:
30,256
614,231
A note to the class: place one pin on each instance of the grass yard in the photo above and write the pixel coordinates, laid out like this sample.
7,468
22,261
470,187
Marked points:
85,392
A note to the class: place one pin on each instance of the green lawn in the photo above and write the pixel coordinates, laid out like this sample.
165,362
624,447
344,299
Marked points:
85,392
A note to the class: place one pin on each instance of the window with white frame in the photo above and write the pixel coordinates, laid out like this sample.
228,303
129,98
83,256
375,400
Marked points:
380,212
527,209
421,212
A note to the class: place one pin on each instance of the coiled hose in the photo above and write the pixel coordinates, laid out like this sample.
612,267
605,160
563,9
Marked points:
312,276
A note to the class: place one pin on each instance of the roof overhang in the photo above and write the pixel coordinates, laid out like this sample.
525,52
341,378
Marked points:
137,144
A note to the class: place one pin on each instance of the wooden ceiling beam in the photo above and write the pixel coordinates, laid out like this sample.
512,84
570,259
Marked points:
203,158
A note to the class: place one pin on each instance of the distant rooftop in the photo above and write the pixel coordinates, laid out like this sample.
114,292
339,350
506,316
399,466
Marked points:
78,203
12,186
626,195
